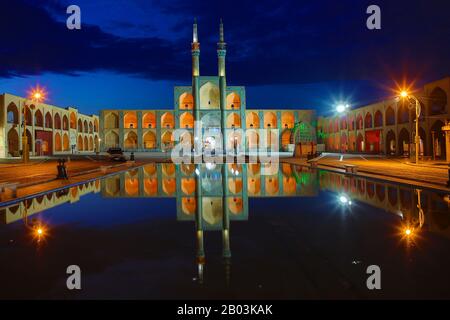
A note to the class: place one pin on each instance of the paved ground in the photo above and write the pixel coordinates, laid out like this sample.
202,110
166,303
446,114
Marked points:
40,174
429,174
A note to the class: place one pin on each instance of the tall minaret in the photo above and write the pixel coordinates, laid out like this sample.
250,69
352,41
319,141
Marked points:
195,50
221,53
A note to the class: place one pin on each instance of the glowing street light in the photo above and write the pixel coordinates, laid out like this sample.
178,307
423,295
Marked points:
36,95
341,108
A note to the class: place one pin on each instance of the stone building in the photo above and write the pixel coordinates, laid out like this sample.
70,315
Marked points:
50,130
388,126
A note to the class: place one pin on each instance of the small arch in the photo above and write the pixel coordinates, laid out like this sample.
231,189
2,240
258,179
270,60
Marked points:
80,143
270,120
186,101
85,126
233,101
186,120
12,113
130,120
403,142
131,140
438,101
233,120
390,143
91,143
252,120
167,140
390,116
80,125
111,140
111,121
209,96
66,145
38,118
368,123
13,142
48,120
86,144
149,140
58,142
149,120
57,121
91,127
287,120
73,120
378,119
167,120
65,123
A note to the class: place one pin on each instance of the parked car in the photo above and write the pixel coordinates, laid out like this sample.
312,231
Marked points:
116,154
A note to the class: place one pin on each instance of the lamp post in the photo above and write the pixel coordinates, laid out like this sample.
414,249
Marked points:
37,95
405,94
341,109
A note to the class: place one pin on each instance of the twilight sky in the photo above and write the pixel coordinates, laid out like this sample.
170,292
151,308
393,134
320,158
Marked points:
288,54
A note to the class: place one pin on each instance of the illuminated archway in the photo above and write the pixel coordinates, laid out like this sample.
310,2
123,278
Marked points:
13,142
111,121
149,140
167,120
12,113
233,101
270,120
186,120
58,142
209,96
111,140
57,121
131,140
287,120
80,143
149,120
252,120
38,118
66,145
130,120
186,101
233,120
167,140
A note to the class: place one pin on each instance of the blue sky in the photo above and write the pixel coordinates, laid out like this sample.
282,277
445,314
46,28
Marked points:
289,54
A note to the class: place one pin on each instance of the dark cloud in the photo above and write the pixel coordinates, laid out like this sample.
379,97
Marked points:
269,41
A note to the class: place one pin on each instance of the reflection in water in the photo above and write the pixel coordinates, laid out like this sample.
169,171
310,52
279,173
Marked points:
213,195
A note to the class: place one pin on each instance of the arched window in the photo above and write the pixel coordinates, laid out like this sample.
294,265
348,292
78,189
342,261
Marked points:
38,118
390,116
186,120
270,120
57,121
111,121
13,113
233,101
65,122
167,120
209,96
73,120
48,120
252,120
131,141
85,126
186,101
130,120
149,120
368,120
378,119
438,101
80,125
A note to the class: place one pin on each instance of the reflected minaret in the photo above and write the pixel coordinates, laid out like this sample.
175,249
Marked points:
195,50
199,224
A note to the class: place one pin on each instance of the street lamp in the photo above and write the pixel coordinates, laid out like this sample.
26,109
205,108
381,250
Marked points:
36,95
405,95
341,108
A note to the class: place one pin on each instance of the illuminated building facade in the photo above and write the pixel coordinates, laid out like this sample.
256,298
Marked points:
219,107
388,127
50,130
